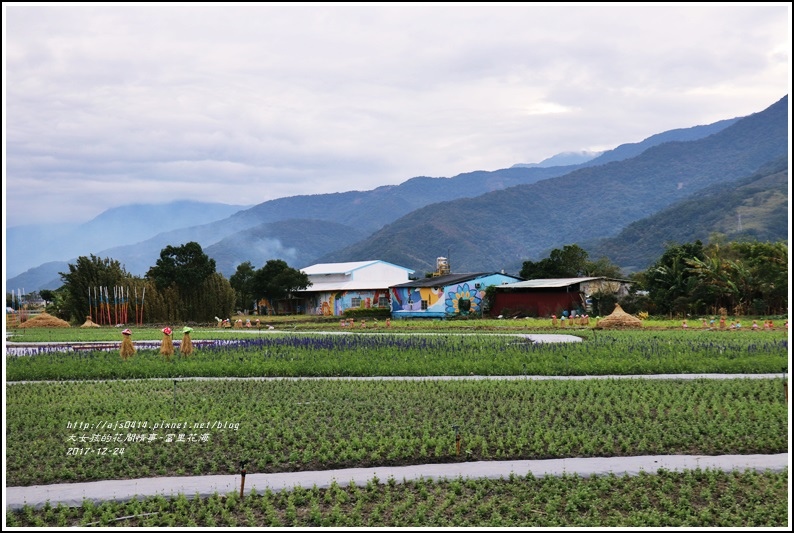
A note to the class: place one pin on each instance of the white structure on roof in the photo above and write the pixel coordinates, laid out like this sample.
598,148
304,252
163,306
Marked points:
336,287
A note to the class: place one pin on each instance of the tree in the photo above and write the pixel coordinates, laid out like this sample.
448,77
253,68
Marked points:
744,276
89,274
184,268
768,267
602,268
671,281
187,266
276,280
569,262
215,297
242,282
47,295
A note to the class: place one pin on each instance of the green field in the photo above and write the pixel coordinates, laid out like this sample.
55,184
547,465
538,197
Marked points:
419,354
289,425
298,421
694,499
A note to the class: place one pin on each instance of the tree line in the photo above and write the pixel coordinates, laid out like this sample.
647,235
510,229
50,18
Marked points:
734,278
183,286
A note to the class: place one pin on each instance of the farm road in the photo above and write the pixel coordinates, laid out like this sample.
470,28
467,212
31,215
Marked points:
73,494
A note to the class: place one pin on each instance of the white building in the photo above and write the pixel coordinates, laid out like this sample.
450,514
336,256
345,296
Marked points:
359,284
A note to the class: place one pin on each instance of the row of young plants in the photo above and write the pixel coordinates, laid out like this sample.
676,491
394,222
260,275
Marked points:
304,424
621,352
694,499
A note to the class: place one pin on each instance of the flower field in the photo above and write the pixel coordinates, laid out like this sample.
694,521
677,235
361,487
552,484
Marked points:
623,352
75,428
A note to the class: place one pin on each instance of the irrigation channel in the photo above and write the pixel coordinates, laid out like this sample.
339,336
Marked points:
74,494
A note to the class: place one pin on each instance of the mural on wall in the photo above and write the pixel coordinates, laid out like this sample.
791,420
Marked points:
464,300
335,304
396,299
430,296
410,298
458,299
326,308
264,307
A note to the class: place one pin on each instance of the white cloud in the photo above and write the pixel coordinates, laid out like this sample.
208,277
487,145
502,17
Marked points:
113,104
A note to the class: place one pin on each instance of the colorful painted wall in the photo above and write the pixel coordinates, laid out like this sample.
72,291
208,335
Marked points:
335,303
452,300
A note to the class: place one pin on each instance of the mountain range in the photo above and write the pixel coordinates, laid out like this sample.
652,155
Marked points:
626,204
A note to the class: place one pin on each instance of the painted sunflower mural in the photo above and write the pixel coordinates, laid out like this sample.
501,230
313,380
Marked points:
463,300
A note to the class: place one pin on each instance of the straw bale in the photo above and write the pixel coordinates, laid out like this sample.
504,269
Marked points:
44,320
620,319
89,323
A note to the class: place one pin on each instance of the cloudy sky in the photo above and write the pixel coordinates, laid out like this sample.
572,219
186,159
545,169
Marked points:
241,103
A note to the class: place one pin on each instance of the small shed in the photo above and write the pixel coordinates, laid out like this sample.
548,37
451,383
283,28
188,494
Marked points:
444,296
553,296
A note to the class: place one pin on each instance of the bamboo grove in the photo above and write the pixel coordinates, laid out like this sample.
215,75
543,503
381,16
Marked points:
100,289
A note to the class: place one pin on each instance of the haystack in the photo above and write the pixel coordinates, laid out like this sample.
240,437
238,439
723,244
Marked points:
89,323
44,320
620,319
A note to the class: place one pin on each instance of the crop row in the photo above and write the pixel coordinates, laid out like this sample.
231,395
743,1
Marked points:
419,355
693,498
288,425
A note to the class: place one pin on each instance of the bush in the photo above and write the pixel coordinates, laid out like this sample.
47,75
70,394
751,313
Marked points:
372,312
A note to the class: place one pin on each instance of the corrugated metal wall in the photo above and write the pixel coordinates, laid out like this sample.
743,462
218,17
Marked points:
535,303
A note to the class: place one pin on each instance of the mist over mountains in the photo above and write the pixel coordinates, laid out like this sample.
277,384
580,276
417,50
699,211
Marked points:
33,244
625,203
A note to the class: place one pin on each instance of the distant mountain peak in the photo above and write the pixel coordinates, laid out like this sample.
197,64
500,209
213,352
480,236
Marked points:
563,159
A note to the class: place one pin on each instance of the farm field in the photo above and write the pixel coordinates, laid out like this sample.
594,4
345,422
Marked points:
293,323
417,354
309,424
695,498
159,428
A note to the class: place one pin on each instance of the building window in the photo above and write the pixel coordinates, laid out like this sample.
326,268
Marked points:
424,305
355,302
383,301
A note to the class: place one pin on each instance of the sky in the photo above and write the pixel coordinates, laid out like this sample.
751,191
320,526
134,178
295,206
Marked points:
113,104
